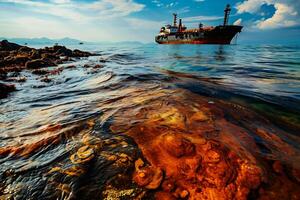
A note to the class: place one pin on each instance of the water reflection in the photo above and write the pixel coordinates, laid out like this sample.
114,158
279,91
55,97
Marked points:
195,123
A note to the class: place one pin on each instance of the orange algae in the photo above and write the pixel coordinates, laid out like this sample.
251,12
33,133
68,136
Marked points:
197,150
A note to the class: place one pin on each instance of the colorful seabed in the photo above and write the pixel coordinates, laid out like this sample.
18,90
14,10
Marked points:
135,129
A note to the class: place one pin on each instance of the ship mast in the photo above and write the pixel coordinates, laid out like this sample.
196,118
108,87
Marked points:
175,19
227,13
180,25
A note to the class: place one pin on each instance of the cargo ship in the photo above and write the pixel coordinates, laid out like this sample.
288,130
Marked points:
179,34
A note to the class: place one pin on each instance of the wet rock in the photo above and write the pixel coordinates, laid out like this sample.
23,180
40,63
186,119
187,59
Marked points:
98,66
87,66
103,60
20,79
63,51
24,49
83,155
78,53
6,89
3,74
40,71
35,54
35,64
49,56
70,67
7,46
56,71
46,80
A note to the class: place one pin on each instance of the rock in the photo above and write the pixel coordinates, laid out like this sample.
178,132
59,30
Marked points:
46,80
3,74
20,79
70,67
25,49
40,72
6,89
7,46
49,56
20,60
78,53
98,66
35,64
103,60
63,51
86,66
35,54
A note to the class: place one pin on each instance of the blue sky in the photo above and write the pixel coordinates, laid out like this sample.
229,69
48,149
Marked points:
139,20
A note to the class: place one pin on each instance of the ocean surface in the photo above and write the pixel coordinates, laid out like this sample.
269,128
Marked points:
264,79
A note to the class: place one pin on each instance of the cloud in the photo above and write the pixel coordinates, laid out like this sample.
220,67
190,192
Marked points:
286,12
238,22
202,18
140,24
98,20
80,11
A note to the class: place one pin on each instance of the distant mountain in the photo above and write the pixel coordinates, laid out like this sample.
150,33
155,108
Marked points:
43,41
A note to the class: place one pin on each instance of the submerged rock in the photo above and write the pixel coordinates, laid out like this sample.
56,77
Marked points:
201,153
6,89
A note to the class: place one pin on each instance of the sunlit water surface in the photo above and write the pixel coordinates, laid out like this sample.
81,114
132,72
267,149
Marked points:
264,79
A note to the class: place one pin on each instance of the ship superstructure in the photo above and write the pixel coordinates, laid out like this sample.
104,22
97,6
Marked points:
179,34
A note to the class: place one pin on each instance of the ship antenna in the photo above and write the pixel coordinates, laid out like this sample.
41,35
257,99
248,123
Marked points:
175,19
227,13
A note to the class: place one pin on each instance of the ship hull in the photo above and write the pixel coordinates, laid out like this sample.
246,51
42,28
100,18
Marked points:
217,35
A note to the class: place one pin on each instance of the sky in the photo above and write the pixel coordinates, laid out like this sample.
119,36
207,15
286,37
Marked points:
267,21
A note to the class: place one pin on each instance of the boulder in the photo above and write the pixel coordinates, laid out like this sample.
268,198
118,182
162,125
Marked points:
63,51
6,89
78,53
35,64
24,49
35,54
7,46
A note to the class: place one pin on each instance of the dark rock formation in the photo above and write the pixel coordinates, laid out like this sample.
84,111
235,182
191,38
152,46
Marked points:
38,63
6,89
14,57
7,46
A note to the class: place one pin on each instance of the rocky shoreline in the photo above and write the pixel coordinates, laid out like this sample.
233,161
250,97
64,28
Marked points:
15,58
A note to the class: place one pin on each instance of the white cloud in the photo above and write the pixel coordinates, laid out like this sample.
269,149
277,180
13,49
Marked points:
286,12
202,18
140,24
238,22
81,11
101,20
61,1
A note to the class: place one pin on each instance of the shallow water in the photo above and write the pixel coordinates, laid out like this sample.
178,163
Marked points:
251,95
